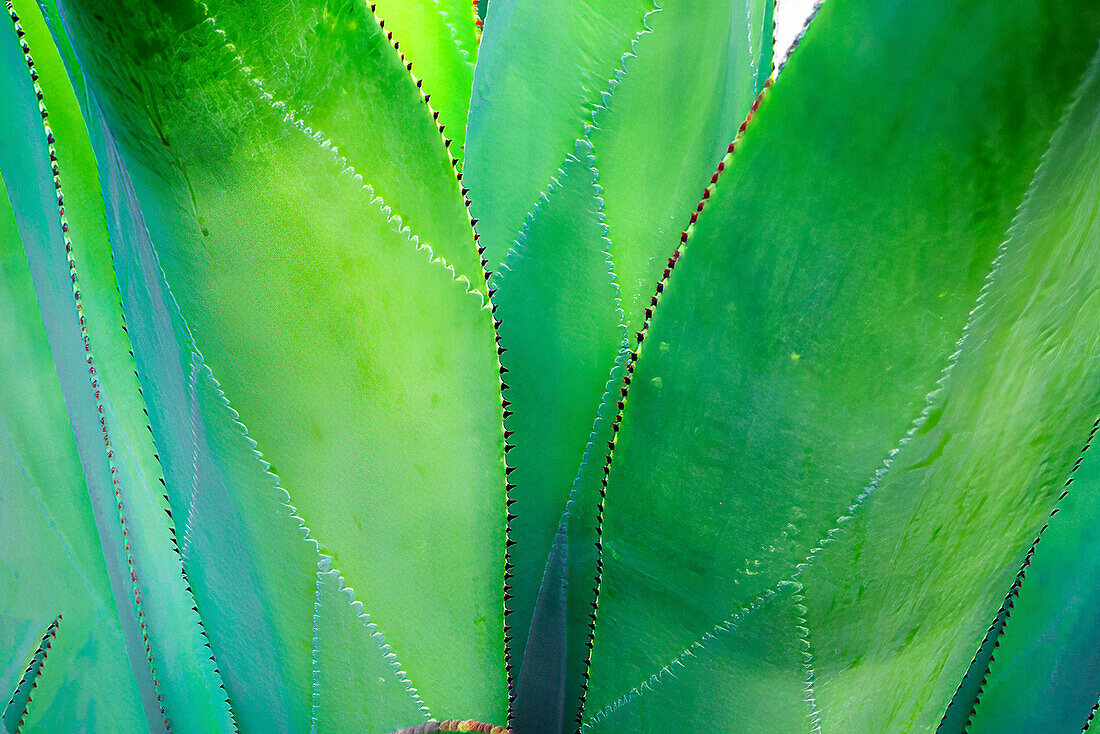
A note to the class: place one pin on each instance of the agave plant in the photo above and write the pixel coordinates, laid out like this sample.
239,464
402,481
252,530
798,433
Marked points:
603,368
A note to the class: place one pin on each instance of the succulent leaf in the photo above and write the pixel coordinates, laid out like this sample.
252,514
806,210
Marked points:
387,431
357,692
50,552
795,344
541,70
1043,675
246,555
672,110
561,343
438,38
69,258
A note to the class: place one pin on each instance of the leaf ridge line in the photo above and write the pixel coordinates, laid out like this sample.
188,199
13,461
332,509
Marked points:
193,419
632,360
726,626
829,536
514,254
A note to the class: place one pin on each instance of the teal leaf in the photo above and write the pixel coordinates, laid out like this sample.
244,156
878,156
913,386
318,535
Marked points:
246,555
69,258
367,691
670,114
561,327
50,553
541,70
1044,675
297,281
15,712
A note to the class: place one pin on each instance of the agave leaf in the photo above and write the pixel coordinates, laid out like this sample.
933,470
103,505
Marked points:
386,426
327,67
795,343
79,304
50,555
1044,676
561,344
14,714
672,110
245,554
541,70
544,423
940,539
364,692
753,650
438,38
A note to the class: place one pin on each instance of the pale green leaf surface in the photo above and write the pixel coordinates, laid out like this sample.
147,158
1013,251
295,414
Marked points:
365,692
923,565
562,329
365,371
437,38
809,316
542,68
673,108
326,66
104,403
744,675
50,555
247,559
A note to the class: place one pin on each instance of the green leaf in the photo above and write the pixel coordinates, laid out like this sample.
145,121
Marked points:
15,712
562,329
673,109
365,370
1044,676
647,105
940,540
79,302
50,554
245,554
360,692
808,317
541,70
753,652
327,67
438,38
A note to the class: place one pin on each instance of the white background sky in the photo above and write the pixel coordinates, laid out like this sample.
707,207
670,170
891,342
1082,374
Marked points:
790,15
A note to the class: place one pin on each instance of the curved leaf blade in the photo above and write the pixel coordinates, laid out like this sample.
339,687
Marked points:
1046,674
740,376
386,425
69,258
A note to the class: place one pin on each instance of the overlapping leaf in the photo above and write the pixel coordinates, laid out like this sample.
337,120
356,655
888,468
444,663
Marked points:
817,302
68,255
365,370
1045,673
